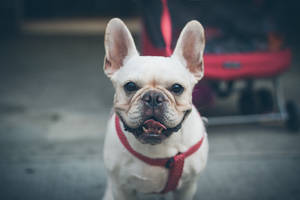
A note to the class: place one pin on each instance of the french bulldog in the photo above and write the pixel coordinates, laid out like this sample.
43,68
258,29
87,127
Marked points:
154,114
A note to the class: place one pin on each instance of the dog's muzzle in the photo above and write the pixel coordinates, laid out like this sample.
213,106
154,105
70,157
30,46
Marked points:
152,130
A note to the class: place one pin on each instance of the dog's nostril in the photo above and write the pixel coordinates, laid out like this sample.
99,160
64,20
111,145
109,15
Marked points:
159,99
147,98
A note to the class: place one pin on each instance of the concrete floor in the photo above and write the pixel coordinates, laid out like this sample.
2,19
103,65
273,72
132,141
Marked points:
54,102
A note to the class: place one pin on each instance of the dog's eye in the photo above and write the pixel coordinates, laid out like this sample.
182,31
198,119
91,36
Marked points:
177,88
130,87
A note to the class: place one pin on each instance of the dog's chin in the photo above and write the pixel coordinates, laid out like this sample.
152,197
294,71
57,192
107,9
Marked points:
153,132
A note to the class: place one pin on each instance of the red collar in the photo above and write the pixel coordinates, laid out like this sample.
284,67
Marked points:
174,164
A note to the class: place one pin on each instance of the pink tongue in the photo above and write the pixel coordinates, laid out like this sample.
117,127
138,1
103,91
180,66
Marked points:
154,126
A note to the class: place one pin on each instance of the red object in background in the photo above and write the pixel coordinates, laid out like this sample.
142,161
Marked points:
233,66
148,49
166,27
246,65
166,30
226,66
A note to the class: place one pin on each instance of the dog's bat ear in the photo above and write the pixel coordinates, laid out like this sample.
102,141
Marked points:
190,47
119,46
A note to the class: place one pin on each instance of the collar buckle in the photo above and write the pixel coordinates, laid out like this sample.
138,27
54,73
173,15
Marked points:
170,163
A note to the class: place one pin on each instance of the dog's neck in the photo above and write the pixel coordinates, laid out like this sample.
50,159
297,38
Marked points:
180,141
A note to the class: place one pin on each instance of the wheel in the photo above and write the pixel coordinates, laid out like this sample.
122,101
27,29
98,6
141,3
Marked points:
224,91
292,121
247,102
264,101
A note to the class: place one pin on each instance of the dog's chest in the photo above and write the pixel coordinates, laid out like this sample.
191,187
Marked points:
150,179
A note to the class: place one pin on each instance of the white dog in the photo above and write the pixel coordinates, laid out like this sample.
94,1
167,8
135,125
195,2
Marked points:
156,141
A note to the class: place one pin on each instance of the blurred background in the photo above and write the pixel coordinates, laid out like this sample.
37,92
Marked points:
55,99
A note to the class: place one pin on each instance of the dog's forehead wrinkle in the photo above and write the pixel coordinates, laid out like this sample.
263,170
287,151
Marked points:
154,69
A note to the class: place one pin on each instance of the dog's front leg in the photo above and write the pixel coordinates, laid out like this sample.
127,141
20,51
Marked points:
108,195
115,192
187,192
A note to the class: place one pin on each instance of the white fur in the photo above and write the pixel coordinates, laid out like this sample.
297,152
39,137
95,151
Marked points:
126,173
131,174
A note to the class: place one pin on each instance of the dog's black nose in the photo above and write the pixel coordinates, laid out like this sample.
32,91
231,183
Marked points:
153,98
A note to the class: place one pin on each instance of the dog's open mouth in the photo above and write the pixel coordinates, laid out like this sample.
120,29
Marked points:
153,127
151,131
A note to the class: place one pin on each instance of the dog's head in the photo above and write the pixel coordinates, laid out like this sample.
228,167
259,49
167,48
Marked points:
153,94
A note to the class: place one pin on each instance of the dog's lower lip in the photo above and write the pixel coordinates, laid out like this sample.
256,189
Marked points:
151,138
151,135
